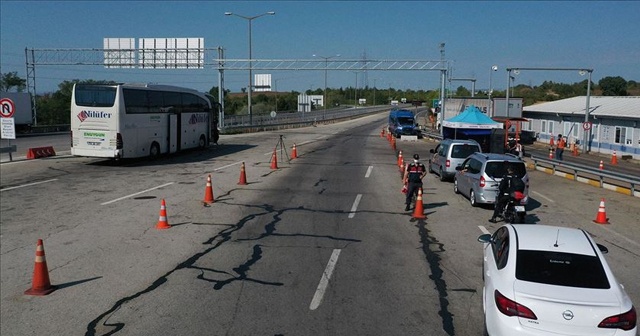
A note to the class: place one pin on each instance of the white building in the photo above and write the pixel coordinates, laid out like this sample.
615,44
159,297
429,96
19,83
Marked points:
615,122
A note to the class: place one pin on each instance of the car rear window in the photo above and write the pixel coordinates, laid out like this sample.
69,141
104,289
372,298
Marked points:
497,169
463,150
561,269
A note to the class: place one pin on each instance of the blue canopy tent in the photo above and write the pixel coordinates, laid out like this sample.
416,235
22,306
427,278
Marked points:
471,124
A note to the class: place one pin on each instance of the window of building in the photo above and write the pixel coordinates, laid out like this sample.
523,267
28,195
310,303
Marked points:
543,128
550,127
621,135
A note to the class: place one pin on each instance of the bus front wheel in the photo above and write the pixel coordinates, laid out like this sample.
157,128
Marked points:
154,151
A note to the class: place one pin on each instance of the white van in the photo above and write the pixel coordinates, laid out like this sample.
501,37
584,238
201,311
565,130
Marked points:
449,154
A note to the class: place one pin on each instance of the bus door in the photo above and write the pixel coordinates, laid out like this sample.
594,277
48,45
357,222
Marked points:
174,126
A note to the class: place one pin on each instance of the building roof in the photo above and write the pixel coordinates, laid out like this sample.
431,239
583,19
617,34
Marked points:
600,106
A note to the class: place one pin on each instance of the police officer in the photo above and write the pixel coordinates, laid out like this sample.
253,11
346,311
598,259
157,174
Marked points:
413,175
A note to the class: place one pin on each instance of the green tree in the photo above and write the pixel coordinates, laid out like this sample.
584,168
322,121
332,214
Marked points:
10,80
613,86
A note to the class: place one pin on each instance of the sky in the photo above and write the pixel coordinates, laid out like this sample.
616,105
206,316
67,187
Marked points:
599,35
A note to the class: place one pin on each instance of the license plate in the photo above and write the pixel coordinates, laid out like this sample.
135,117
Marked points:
519,208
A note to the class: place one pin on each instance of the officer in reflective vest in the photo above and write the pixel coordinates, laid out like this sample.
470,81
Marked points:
413,175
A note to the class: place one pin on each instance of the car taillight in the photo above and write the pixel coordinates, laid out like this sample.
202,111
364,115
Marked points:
626,321
482,182
512,308
119,141
448,163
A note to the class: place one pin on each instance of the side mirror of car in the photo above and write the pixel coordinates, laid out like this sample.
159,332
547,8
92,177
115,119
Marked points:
603,248
485,238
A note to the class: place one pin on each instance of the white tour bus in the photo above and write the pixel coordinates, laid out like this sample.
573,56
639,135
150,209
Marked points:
136,120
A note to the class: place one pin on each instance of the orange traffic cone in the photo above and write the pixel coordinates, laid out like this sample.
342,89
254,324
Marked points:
601,165
163,223
614,158
418,211
401,167
40,284
208,192
393,143
274,160
601,218
294,152
243,175
551,143
575,150
551,153
400,161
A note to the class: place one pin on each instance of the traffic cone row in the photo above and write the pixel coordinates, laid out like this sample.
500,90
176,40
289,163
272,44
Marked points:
243,176
601,217
208,192
163,222
274,160
40,284
614,158
418,211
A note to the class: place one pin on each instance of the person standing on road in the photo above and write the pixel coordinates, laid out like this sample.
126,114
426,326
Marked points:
413,175
560,145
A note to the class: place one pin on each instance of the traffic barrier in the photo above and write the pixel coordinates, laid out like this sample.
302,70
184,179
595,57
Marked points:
601,165
601,217
40,284
418,211
243,175
163,222
208,192
294,152
274,160
614,158
40,152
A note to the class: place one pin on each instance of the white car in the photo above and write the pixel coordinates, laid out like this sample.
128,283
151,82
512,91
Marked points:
549,280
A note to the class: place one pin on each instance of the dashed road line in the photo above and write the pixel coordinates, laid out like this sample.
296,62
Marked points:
354,207
324,280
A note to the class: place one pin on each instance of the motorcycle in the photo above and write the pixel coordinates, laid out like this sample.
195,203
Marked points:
514,212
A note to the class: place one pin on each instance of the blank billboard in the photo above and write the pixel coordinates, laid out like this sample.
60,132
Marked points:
171,53
119,52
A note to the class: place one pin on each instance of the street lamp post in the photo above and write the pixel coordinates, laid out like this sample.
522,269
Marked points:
324,93
250,88
489,109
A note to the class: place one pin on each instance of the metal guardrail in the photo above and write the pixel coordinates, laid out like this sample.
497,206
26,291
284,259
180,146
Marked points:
576,168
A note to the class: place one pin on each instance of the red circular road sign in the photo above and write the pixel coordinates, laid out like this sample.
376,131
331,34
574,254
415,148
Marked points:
587,125
7,108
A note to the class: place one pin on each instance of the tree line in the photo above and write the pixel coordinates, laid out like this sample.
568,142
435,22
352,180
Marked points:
53,108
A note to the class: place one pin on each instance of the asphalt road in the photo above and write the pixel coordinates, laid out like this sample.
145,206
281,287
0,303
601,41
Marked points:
319,246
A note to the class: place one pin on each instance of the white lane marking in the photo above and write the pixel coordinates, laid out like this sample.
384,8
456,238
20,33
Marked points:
229,165
28,185
138,193
324,280
483,229
355,206
543,196
368,172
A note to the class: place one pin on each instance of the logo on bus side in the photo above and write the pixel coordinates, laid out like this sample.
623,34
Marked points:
83,115
198,118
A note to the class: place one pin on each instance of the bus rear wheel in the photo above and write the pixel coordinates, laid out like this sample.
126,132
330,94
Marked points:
202,143
154,151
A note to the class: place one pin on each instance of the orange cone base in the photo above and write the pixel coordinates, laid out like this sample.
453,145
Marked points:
418,212
40,292
601,221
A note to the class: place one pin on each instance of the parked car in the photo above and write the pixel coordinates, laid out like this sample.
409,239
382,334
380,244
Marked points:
403,122
449,154
550,280
479,176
